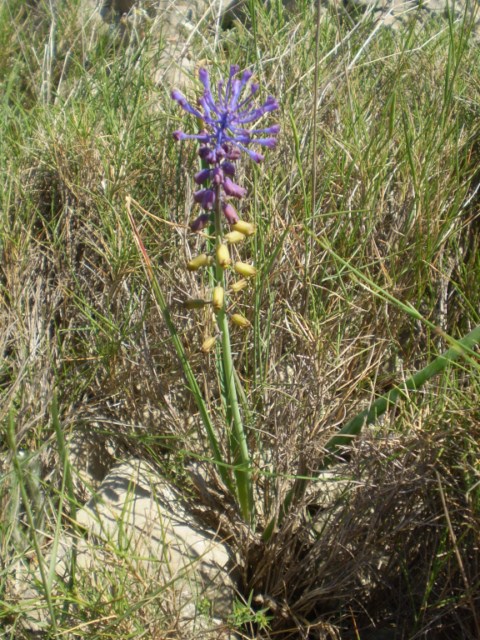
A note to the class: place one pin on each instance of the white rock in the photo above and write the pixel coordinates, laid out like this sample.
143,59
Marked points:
136,510
137,529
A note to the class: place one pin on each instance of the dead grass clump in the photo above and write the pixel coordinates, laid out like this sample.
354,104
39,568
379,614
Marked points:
387,543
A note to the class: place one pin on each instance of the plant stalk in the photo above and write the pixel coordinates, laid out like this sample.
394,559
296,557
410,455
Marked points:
239,448
182,356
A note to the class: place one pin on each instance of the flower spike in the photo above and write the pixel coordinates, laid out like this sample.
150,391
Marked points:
226,115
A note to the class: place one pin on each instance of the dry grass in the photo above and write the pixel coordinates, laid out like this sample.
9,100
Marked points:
394,550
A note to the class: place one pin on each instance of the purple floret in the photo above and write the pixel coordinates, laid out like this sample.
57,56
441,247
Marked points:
226,115
232,189
229,212
205,198
225,135
202,176
201,222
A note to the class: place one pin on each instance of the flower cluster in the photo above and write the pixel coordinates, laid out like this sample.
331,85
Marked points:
223,138
225,135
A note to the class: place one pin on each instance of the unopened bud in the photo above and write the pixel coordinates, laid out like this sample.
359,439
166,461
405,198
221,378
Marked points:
239,285
247,228
234,237
200,223
208,344
200,261
230,214
223,256
217,298
245,270
240,320
194,303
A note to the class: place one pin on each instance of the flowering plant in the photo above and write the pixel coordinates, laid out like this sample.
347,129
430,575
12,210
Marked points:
228,131
223,139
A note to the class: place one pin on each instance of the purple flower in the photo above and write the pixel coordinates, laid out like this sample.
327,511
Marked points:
228,168
232,189
217,175
202,176
230,214
225,117
205,198
232,153
208,155
201,222
225,135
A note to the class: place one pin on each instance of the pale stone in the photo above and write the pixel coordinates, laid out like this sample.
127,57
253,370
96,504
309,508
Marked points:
139,522
136,509
89,460
175,24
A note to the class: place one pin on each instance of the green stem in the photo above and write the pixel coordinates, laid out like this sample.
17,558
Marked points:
343,439
239,447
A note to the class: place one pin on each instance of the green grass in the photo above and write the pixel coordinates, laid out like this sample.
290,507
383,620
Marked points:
392,225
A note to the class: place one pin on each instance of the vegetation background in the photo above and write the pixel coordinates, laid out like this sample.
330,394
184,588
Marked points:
385,217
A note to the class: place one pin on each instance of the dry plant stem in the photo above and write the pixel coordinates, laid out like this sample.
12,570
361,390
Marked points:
462,345
240,455
354,426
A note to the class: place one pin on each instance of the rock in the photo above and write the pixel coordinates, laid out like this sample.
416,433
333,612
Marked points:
138,511
173,25
137,528
89,460
397,13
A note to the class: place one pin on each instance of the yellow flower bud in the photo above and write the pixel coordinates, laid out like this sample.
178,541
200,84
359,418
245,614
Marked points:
208,344
234,237
247,228
223,256
245,270
200,261
240,320
217,299
194,303
239,285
